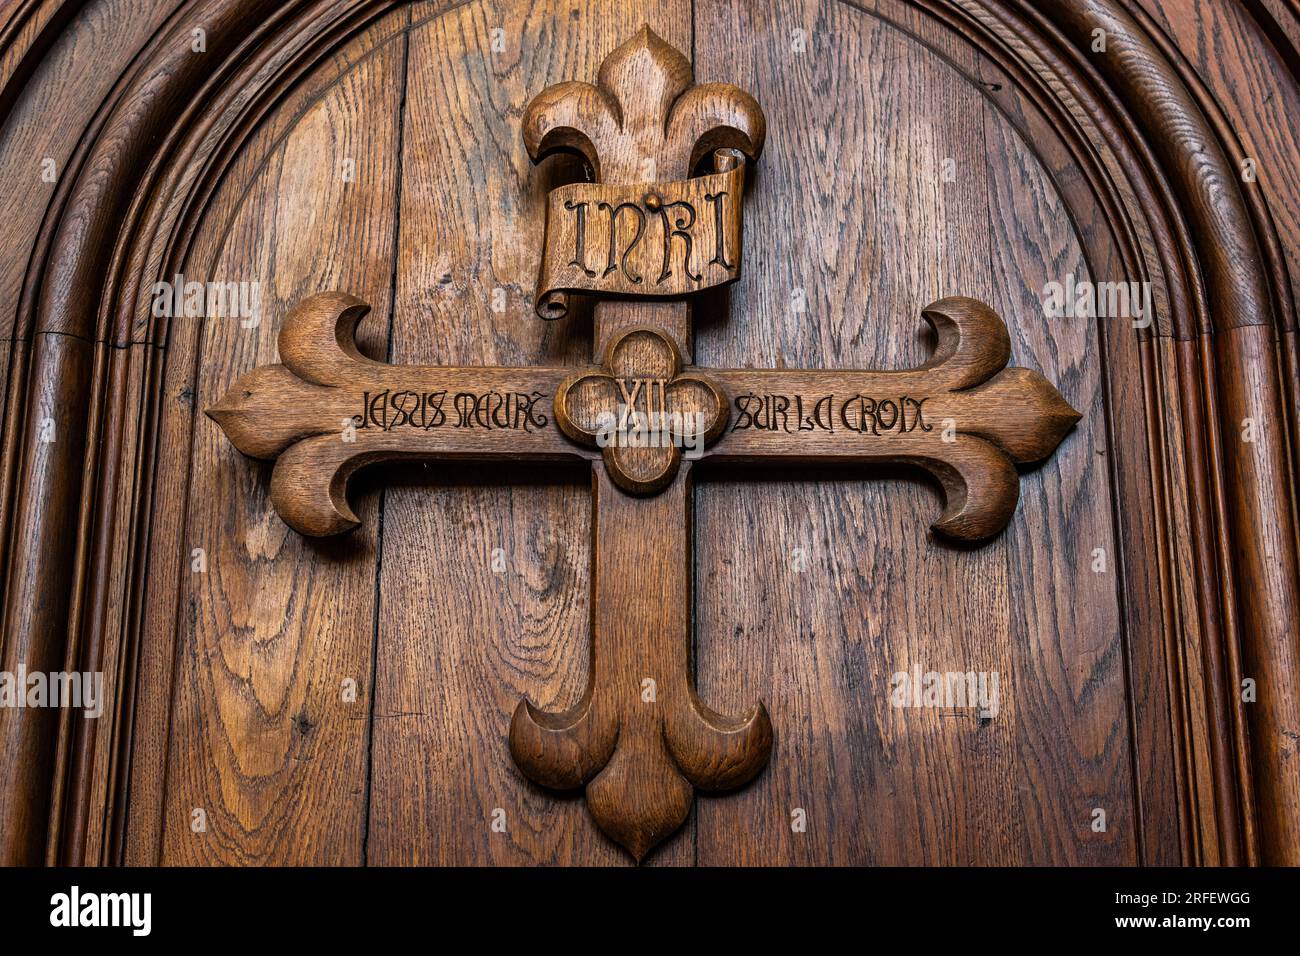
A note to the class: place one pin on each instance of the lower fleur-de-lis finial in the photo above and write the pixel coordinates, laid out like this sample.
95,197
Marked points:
640,751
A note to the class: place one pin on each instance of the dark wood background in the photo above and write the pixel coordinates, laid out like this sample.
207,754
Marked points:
851,229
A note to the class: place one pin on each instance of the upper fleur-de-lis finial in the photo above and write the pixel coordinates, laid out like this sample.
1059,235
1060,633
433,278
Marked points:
643,120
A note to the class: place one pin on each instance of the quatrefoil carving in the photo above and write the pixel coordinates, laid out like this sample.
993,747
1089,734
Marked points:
641,410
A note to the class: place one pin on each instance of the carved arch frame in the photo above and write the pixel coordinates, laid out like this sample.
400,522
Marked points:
1210,569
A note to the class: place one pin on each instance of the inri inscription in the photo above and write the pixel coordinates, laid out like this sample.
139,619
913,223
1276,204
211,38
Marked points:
661,239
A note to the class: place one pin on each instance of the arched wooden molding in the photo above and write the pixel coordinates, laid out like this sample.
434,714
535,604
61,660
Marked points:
74,510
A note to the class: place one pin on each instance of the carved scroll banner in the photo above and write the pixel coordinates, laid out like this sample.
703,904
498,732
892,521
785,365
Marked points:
643,416
653,239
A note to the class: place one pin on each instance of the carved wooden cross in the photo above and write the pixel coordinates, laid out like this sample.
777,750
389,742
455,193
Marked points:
642,237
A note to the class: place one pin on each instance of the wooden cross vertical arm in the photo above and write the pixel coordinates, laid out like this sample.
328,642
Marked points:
641,740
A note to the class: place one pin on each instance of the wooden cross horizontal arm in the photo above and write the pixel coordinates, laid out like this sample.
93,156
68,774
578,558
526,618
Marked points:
962,416
640,740
328,410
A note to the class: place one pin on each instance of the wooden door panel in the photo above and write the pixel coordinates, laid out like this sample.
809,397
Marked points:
262,737
286,700
872,233
455,654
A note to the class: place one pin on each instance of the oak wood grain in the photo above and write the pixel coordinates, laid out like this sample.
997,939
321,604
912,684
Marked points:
464,106
1202,523
1065,607
139,840
871,602
264,736
65,97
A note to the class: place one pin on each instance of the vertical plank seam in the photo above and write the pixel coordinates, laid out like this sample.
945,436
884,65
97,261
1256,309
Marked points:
383,490
691,502
183,594
1008,568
